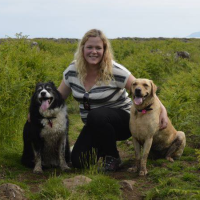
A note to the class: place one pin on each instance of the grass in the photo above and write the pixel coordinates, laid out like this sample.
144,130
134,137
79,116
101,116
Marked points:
100,186
49,185
178,82
52,189
75,127
178,180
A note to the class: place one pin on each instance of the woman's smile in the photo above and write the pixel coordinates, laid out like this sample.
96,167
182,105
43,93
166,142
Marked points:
93,51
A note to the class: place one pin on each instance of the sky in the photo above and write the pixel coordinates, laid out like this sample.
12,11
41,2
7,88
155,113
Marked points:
116,18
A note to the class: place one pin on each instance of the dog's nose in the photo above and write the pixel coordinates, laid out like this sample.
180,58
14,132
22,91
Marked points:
137,91
43,94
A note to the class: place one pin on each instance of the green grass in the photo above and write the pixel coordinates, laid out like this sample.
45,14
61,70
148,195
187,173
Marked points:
100,186
75,126
178,180
52,189
178,84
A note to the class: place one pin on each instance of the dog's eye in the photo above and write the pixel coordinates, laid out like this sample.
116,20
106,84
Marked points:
134,84
48,88
145,85
39,88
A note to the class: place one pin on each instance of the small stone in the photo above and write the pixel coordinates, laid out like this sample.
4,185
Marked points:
127,184
128,143
72,183
9,191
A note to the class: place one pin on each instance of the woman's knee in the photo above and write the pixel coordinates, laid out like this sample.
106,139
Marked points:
98,117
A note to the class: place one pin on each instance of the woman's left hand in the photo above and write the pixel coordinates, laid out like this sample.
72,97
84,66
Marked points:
163,120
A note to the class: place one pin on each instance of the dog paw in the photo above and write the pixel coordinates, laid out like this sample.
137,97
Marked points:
132,169
143,172
65,168
37,171
170,159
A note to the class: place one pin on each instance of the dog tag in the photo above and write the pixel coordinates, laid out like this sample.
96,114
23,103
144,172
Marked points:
50,123
144,111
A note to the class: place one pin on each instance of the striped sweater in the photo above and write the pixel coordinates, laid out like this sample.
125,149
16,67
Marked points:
112,95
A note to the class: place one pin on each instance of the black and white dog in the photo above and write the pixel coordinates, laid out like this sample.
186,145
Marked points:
46,135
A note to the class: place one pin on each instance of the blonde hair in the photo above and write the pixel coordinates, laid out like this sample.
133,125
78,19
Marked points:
105,70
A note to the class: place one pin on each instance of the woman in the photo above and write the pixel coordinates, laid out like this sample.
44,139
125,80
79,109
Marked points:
99,84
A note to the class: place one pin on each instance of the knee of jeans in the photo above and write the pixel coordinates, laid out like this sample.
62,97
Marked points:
96,117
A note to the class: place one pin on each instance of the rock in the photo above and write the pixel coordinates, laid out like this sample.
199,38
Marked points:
127,184
34,44
182,54
72,183
128,143
11,191
156,51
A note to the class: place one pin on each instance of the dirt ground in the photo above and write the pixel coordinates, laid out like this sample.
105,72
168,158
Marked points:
35,180
142,184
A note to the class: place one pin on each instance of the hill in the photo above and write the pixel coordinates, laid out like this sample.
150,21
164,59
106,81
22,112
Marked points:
194,35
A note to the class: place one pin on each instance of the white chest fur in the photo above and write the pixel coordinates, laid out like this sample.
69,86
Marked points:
55,127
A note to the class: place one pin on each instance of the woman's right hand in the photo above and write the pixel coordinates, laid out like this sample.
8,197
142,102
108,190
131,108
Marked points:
29,118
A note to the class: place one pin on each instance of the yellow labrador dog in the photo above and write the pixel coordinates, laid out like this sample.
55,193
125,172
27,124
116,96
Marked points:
144,126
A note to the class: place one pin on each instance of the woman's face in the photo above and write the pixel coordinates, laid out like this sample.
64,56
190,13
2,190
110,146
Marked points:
93,51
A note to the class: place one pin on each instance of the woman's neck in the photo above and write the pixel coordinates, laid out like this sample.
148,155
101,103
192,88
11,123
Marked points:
91,77
92,68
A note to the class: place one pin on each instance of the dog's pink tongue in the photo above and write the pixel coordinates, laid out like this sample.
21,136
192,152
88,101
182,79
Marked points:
45,105
138,100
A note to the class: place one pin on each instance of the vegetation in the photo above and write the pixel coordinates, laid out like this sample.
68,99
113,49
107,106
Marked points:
23,64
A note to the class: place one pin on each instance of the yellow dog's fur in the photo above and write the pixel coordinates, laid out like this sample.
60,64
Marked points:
144,126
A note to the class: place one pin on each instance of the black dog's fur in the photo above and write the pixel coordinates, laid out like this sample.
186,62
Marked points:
46,135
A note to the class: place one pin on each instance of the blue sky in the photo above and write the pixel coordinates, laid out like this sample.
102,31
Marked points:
116,18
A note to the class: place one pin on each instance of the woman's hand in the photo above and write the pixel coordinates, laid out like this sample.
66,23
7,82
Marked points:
29,118
163,119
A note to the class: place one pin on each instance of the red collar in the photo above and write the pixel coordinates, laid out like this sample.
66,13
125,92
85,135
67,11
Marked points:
50,121
148,108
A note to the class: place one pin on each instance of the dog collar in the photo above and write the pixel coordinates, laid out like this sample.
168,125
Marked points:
148,108
50,121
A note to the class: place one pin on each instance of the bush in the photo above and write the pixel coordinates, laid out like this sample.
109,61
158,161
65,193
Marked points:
21,67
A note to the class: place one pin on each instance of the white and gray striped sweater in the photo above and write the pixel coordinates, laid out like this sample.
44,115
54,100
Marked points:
113,95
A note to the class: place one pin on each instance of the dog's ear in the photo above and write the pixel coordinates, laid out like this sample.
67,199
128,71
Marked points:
130,91
52,84
153,88
38,85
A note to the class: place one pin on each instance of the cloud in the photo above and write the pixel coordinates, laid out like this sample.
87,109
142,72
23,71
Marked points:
71,18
